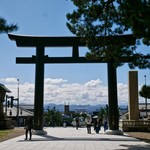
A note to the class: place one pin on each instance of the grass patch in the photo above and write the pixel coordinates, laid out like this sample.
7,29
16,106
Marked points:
4,133
10,133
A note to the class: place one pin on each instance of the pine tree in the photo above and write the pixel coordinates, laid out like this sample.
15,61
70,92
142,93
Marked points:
145,92
93,18
5,28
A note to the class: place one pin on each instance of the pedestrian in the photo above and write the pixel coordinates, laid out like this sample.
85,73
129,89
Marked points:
77,122
105,125
28,127
97,124
88,121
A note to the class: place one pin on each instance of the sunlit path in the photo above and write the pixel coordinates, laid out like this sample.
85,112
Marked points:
71,139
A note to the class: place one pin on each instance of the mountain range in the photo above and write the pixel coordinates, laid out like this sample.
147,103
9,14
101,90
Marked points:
85,108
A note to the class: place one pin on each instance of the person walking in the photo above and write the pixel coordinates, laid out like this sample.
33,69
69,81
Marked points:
28,127
88,121
97,125
77,122
105,125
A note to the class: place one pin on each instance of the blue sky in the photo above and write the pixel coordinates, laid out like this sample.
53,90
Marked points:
74,83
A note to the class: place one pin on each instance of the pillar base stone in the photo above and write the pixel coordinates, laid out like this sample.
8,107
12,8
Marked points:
39,132
114,132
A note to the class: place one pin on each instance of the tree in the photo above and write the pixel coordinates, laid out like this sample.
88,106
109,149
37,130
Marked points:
53,117
145,92
94,18
103,113
136,16
5,28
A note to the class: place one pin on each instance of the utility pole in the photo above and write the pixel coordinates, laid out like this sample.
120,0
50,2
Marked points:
18,105
145,98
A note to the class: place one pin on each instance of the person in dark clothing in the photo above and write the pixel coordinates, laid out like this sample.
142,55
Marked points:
28,127
105,125
97,125
77,122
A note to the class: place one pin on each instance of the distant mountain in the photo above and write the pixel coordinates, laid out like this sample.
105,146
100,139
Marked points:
60,107
87,108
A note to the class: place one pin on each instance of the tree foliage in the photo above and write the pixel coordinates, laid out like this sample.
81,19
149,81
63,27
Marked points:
145,91
5,28
103,113
53,117
93,18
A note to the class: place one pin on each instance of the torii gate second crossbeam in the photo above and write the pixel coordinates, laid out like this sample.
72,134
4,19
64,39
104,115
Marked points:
75,42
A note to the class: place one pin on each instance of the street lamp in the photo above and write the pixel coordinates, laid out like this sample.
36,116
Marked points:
145,97
145,79
18,104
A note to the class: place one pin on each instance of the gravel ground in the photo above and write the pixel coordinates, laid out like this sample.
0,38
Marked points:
20,131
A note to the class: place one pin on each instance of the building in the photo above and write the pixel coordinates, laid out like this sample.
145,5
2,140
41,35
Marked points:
23,112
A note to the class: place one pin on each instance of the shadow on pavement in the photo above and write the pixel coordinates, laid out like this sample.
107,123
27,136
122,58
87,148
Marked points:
136,147
52,138
128,145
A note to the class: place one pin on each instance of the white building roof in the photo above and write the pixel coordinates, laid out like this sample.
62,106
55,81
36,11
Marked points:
22,112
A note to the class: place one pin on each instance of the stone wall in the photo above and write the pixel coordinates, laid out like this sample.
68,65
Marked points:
135,125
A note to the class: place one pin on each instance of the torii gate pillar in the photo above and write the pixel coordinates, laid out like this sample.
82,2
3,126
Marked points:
39,89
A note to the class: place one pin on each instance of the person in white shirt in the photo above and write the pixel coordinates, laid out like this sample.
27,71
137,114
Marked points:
88,121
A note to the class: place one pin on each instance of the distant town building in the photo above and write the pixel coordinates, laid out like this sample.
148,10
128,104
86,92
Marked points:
81,110
24,111
67,110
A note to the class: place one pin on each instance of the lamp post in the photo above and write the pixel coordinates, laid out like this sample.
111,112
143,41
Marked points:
145,98
145,79
18,105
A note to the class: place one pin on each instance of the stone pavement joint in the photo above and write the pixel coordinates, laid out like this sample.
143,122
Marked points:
69,138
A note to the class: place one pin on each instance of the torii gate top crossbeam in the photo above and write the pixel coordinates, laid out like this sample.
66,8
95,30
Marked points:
34,41
75,42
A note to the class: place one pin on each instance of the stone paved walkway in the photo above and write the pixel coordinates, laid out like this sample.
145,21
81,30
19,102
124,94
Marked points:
71,139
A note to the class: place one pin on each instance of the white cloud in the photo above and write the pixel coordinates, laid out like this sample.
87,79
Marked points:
60,91
9,80
54,81
122,92
93,83
85,95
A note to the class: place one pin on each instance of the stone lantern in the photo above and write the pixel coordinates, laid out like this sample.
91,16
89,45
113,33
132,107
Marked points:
3,119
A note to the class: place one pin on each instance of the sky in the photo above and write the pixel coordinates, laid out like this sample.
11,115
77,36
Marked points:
71,83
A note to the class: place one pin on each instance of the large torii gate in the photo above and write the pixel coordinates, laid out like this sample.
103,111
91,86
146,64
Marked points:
75,42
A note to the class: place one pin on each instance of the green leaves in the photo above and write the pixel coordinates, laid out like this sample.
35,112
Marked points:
4,28
53,117
136,17
145,91
93,18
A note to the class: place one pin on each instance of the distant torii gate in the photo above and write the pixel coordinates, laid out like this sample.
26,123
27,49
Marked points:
75,42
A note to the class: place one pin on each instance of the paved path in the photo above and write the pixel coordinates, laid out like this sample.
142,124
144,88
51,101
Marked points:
71,139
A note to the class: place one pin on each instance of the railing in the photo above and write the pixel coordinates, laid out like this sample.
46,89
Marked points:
135,125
